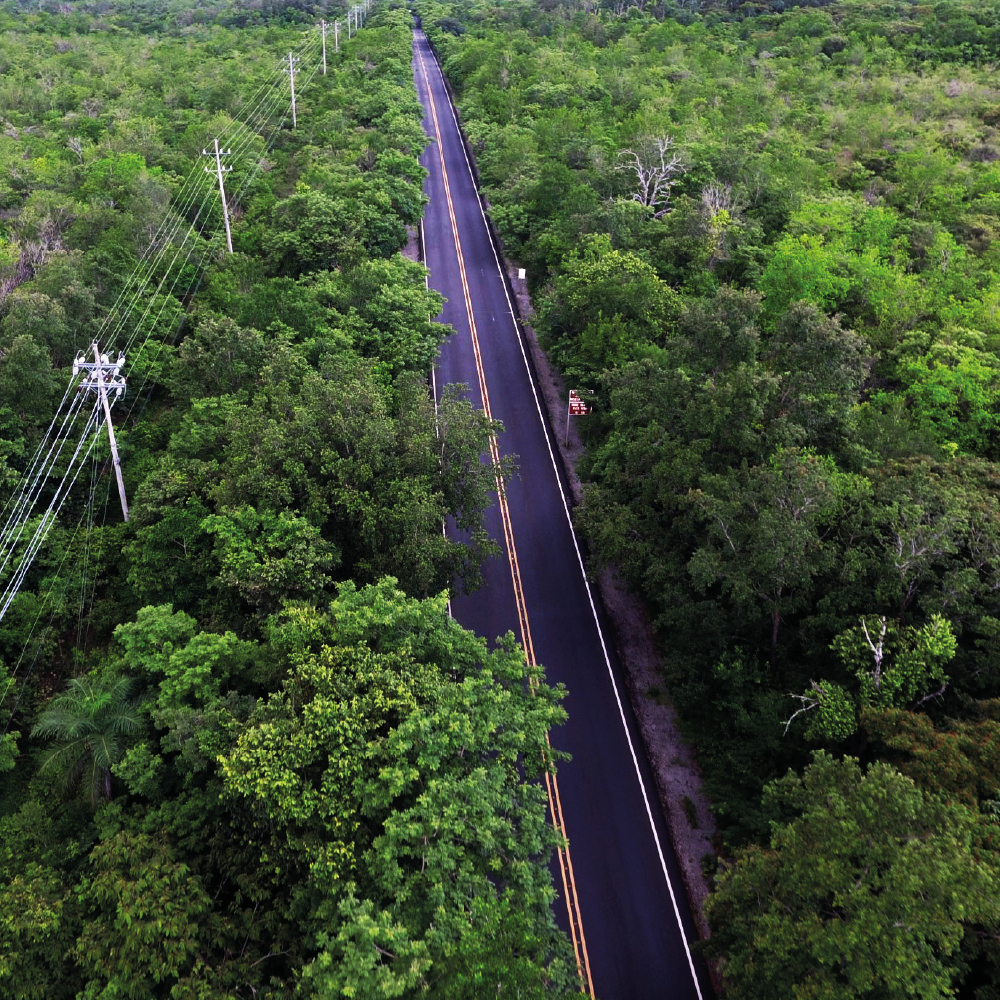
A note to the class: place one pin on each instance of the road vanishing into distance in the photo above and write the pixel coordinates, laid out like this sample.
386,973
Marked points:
621,898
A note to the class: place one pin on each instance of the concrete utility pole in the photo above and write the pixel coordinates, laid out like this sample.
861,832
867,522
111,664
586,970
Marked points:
322,25
104,378
336,36
292,63
220,170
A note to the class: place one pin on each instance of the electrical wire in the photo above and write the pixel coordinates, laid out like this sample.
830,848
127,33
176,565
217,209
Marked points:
268,97
270,101
23,511
186,198
51,513
209,246
31,632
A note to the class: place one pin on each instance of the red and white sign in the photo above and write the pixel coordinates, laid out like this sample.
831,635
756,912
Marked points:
577,407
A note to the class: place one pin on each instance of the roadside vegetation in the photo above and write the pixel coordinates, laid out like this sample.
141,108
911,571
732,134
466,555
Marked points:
245,750
765,236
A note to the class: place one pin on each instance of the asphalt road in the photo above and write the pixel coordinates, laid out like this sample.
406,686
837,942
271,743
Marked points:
621,896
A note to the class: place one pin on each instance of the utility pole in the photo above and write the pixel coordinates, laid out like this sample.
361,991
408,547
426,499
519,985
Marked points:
292,63
220,170
95,381
336,36
322,25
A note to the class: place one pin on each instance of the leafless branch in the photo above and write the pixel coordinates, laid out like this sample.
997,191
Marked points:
656,168
878,651
808,704
719,198
934,694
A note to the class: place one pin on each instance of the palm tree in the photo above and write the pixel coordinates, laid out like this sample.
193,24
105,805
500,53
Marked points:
93,722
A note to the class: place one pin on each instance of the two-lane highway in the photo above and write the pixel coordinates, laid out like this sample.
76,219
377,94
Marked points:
621,897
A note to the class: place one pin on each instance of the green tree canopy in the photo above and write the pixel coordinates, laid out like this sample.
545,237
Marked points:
863,891
395,758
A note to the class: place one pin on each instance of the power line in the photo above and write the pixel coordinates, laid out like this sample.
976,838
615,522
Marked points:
51,513
263,105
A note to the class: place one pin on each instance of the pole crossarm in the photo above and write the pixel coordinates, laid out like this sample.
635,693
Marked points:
100,374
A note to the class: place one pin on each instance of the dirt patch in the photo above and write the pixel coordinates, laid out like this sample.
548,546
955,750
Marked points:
413,251
678,779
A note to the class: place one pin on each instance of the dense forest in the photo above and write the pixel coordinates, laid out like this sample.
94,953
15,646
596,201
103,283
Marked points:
764,234
246,751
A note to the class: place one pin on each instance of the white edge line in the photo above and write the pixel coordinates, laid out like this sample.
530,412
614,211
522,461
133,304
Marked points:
576,545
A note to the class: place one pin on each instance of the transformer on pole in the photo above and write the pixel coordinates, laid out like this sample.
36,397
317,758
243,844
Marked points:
103,377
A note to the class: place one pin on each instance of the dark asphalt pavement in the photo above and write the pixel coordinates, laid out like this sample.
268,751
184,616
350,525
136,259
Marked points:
632,904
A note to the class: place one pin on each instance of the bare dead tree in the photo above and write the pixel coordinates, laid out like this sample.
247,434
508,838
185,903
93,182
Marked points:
719,198
720,209
656,168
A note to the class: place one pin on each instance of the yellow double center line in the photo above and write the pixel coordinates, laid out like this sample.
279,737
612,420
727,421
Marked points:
551,784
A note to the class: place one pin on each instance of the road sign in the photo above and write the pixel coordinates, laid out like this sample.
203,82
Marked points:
577,407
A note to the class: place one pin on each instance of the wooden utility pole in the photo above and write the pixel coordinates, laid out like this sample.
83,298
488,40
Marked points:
292,63
221,171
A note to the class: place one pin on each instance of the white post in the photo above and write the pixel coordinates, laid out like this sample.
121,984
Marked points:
336,36
220,170
323,26
103,393
291,78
